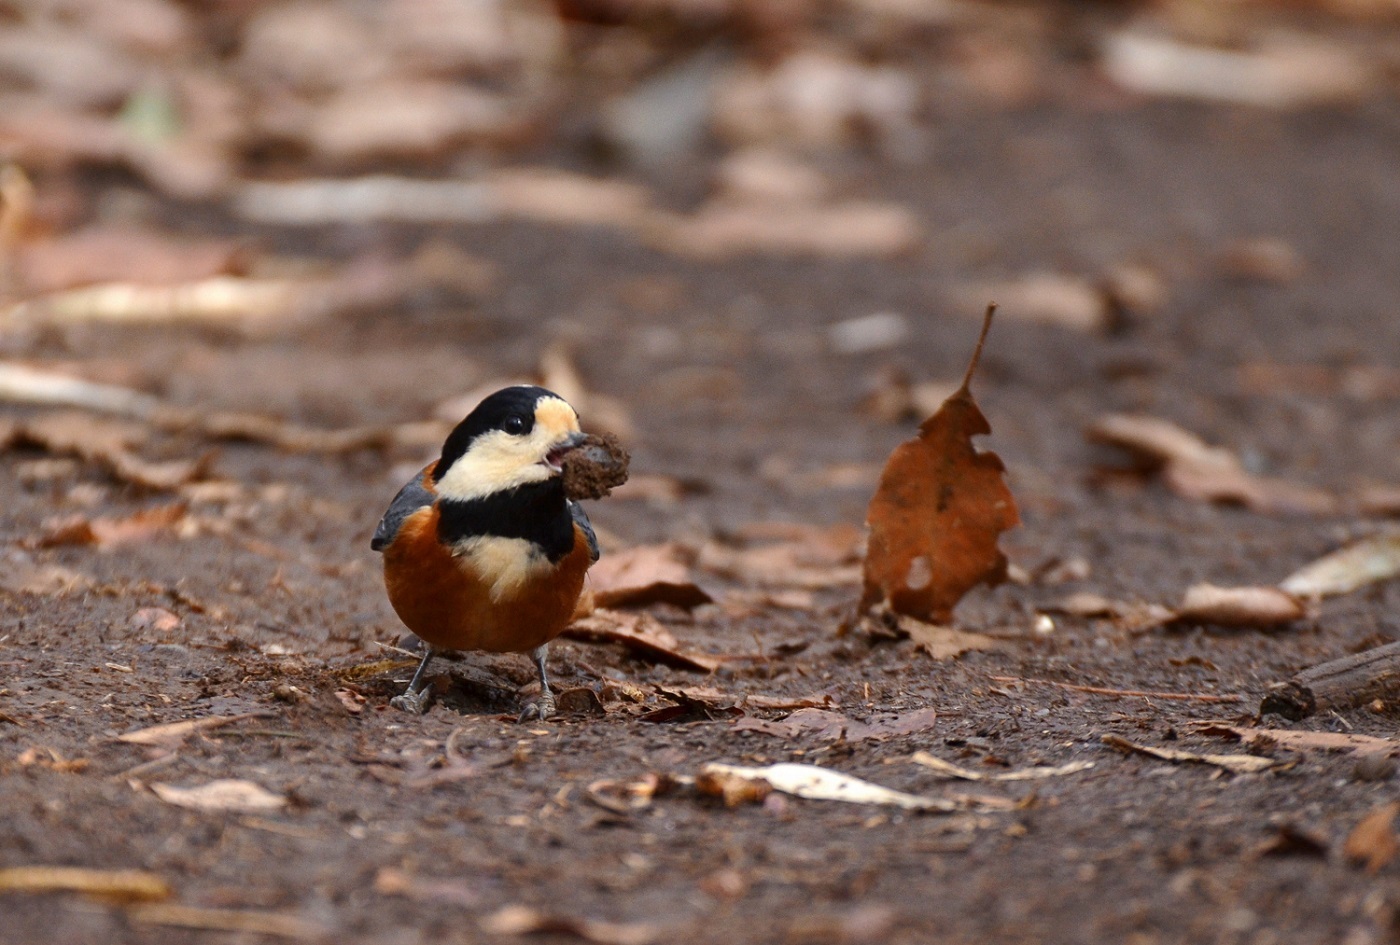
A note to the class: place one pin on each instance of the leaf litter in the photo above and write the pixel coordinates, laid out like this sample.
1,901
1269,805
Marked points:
739,784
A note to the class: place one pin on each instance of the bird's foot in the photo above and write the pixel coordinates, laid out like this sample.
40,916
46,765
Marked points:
414,702
539,708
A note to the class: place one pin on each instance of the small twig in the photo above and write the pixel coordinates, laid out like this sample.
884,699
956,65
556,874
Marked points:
1119,693
146,767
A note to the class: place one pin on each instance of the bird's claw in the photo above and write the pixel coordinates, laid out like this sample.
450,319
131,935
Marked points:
539,708
413,702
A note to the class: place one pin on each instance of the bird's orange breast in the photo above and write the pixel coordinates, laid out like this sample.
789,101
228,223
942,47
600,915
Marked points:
486,593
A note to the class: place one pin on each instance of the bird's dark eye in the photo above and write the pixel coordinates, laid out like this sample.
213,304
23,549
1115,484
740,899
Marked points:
514,425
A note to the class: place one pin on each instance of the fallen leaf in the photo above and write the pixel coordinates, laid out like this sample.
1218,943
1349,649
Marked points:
19,574
650,574
50,759
818,560
1293,739
1293,840
389,881
1372,841
944,643
122,253
171,734
234,796
1284,71
1047,298
1239,606
951,770
822,784
523,920
852,228
1194,470
118,885
641,633
1239,764
353,702
829,725
722,700
156,619
106,443
1341,572
22,384
938,512
1263,259
106,533
249,921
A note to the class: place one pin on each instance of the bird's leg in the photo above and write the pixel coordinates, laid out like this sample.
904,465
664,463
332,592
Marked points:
542,707
415,699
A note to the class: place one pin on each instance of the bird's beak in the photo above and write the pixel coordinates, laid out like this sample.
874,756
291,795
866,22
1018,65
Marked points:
554,459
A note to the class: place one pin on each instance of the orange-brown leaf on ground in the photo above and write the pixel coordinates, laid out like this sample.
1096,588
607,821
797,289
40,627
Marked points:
650,574
938,512
106,533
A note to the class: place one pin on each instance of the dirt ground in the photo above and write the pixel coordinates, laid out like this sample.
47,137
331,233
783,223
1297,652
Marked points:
726,370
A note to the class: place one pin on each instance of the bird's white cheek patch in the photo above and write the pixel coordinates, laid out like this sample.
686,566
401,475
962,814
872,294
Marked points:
506,565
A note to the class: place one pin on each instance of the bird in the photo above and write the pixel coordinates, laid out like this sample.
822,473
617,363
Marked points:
482,549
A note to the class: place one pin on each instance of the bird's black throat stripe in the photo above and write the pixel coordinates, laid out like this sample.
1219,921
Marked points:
537,513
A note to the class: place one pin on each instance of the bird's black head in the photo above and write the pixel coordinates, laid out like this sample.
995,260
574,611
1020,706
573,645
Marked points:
516,436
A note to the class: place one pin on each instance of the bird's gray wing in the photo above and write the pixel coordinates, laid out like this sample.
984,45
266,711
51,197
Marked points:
410,499
581,520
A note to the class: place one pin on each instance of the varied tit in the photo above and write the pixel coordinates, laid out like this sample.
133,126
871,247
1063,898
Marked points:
482,549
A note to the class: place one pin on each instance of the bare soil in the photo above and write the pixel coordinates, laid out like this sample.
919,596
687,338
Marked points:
726,371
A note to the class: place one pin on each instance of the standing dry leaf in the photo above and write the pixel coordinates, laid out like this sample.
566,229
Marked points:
1373,841
235,796
938,512
1366,562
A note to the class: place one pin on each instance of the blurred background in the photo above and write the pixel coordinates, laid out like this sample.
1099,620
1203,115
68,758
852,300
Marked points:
751,237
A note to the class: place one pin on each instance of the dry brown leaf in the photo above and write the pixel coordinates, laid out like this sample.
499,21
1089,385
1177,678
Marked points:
1285,71
171,734
390,881
1026,774
787,555
823,784
105,533
117,885
944,643
49,758
1372,841
247,921
939,510
1368,561
715,699
523,920
234,796
641,633
1239,764
106,443
1047,298
852,228
123,254
829,725
22,384
19,574
1262,259
1292,739
1239,606
650,574
1194,470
